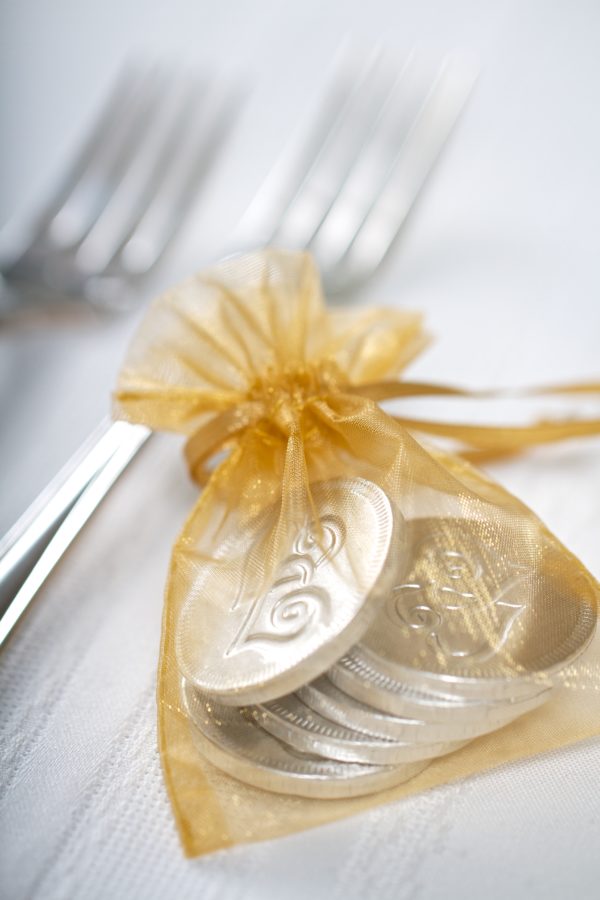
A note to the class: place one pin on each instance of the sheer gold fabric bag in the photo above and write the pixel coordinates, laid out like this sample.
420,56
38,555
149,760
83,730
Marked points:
275,393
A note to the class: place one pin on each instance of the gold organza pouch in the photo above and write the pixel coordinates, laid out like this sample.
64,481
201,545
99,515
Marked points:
279,399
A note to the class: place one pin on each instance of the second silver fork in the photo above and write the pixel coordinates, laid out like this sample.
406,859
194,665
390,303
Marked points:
343,190
117,209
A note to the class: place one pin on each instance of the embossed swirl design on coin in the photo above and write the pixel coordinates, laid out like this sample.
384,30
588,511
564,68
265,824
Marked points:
329,701
292,721
256,645
472,620
296,597
237,745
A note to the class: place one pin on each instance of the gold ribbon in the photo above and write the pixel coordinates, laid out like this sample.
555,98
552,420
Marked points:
479,441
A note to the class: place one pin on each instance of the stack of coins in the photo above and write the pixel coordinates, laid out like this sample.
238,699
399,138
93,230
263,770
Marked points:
376,649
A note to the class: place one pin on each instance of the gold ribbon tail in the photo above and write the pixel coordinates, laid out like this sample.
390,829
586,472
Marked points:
483,442
496,440
396,390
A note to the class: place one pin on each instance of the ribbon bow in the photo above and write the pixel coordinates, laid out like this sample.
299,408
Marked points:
249,345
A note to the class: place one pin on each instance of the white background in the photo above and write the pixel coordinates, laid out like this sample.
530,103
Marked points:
501,255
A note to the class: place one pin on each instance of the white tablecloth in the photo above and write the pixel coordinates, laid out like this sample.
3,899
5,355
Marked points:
501,255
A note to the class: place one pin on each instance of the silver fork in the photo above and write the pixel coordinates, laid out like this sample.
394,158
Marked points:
125,197
343,189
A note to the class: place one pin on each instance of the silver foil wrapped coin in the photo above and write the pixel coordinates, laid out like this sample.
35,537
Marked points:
475,620
325,698
328,584
234,743
292,721
364,680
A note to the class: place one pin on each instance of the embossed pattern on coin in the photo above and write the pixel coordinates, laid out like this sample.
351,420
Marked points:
326,589
473,621
242,749
292,721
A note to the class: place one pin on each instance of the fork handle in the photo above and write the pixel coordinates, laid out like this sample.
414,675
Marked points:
36,543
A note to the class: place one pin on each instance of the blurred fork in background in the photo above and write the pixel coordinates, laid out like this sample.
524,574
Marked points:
125,197
342,189
345,185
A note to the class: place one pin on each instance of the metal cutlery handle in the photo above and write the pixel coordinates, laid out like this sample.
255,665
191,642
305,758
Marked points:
34,545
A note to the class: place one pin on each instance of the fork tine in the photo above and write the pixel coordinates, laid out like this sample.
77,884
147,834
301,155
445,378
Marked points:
38,240
365,180
159,225
260,222
118,100
108,166
375,233
337,155
141,182
177,192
